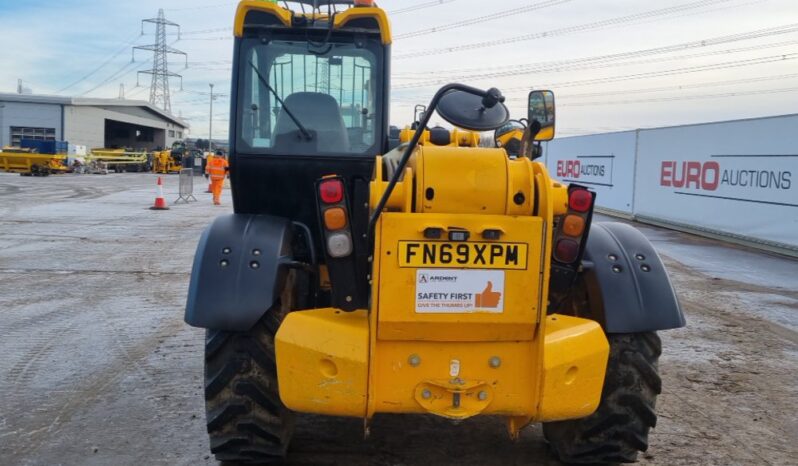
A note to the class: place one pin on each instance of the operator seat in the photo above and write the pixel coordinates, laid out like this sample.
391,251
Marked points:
319,114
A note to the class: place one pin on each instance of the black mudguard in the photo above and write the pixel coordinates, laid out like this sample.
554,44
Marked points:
627,284
239,271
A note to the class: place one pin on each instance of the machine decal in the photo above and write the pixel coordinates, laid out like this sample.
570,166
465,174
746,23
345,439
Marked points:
459,291
470,255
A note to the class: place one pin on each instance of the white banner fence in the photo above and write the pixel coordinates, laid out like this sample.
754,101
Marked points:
733,179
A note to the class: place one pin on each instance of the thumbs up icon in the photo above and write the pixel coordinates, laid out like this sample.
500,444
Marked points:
488,297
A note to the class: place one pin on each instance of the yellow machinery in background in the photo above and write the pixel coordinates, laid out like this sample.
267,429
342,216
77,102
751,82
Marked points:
119,160
459,281
171,160
438,135
26,162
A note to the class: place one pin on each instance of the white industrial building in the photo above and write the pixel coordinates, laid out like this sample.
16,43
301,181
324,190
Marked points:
94,123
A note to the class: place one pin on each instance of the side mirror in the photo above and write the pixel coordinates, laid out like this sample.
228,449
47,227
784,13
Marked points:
541,109
472,109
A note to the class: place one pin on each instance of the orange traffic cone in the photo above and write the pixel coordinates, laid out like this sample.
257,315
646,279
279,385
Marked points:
209,188
160,202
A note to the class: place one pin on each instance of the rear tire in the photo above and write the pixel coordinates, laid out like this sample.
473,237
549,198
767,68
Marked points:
247,422
618,430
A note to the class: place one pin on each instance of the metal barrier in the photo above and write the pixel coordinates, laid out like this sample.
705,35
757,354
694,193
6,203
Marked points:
186,192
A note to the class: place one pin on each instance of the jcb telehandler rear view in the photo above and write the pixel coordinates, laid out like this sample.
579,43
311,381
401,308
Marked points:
355,278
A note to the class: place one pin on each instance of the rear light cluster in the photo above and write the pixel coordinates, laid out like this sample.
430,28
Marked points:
571,235
334,216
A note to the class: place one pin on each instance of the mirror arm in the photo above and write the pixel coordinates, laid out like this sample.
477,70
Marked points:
400,168
528,141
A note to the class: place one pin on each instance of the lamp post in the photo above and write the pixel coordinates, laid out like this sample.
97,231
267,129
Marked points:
210,124
2,129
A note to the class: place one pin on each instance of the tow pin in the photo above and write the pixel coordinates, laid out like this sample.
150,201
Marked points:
454,368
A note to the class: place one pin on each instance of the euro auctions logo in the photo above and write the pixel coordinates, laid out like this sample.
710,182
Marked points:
587,169
698,175
710,176
576,169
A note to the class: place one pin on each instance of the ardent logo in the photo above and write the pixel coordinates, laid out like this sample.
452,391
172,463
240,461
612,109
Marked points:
424,278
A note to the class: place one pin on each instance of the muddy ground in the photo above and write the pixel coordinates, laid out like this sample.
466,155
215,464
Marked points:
97,366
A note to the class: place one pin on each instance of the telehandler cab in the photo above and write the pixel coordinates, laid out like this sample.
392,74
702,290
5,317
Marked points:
353,279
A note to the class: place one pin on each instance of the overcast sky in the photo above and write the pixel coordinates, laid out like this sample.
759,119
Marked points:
613,64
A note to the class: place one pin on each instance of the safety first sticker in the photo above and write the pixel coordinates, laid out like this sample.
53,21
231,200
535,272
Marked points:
440,291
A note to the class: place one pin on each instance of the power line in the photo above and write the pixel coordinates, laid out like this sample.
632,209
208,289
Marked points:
482,18
123,71
680,87
661,73
596,65
205,31
203,7
480,71
419,6
670,72
101,65
677,98
567,30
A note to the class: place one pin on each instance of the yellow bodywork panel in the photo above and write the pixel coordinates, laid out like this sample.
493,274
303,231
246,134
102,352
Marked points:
455,379
245,6
322,361
22,161
344,17
497,297
574,362
457,137
456,328
457,325
285,16
480,181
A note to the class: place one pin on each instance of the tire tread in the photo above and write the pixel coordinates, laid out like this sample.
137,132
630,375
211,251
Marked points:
246,420
619,428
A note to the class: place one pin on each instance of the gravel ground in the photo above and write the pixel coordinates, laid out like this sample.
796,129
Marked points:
99,368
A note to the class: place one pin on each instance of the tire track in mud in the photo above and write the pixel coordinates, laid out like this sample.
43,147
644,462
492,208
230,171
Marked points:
96,385
688,276
127,345
723,370
44,343
87,193
9,189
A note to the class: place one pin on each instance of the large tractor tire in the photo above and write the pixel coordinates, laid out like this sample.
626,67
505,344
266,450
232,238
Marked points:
247,422
618,430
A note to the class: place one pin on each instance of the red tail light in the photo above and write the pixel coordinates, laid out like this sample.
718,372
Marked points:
566,251
580,200
331,191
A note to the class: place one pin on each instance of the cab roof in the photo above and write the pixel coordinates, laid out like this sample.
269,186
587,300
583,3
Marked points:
370,18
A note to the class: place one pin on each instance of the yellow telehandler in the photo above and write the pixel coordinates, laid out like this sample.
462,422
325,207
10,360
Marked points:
354,279
170,160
